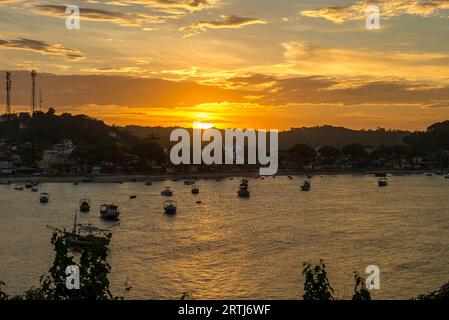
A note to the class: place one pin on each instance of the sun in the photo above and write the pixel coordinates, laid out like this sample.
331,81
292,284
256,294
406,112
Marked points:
202,125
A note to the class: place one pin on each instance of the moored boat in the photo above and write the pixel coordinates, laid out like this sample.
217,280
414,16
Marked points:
167,192
85,205
306,186
195,189
109,212
170,207
382,182
44,197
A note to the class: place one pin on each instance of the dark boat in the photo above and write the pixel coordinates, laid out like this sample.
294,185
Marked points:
44,197
109,212
306,186
195,189
85,205
170,207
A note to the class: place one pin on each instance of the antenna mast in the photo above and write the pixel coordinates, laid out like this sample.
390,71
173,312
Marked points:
8,92
33,90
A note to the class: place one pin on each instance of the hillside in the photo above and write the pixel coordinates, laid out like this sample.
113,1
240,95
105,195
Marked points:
314,136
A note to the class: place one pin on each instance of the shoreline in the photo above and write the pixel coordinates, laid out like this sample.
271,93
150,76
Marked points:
109,178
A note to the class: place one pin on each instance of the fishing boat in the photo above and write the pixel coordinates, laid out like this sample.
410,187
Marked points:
382,182
19,188
195,189
306,186
85,235
34,189
167,192
109,212
189,182
44,197
243,192
170,207
84,205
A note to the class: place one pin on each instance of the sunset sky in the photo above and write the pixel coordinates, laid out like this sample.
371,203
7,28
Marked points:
272,64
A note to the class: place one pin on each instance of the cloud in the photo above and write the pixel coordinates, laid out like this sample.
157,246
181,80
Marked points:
306,58
41,47
190,5
7,2
388,9
118,17
226,21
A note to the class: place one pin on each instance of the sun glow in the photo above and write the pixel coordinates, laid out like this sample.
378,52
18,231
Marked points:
202,125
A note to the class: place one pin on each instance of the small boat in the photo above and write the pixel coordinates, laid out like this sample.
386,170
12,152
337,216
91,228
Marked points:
75,183
382,182
109,212
4,183
290,177
133,196
19,188
306,186
167,192
446,176
28,185
85,235
429,174
243,191
198,202
309,176
189,182
195,189
84,205
170,207
34,189
148,182
44,197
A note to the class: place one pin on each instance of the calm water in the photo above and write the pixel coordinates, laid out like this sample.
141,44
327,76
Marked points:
228,247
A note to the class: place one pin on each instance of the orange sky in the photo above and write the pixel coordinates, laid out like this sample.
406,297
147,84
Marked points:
246,64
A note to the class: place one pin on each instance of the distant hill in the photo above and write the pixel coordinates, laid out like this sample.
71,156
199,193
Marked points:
313,136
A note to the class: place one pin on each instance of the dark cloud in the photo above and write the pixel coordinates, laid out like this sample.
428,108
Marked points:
41,47
118,17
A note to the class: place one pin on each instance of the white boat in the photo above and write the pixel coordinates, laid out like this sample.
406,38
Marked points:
195,189
382,182
18,187
44,197
34,189
306,186
167,192
170,207
109,212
